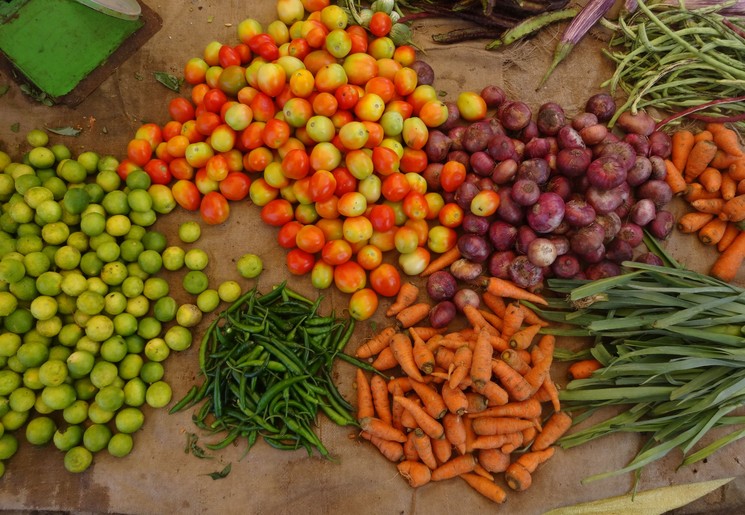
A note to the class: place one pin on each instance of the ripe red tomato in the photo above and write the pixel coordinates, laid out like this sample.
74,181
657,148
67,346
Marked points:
382,217
296,164
395,187
180,109
385,280
415,206
286,237
158,171
186,194
139,151
277,212
363,304
214,99
310,239
214,208
235,186
322,185
299,262
452,175
345,181
369,257
228,56
336,252
380,24
349,277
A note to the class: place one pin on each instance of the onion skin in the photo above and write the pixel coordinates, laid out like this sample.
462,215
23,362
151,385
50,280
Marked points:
465,270
442,314
441,285
601,105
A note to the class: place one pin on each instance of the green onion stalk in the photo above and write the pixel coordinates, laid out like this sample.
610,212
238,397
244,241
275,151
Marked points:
672,351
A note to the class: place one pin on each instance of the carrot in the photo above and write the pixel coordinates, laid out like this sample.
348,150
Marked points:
697,192
728,263
426,333
740,187
455,467
444,358
423,356
385,360
691,222
485,487
410,452
728,188
474,317
498,441
408,420
431,398
674,178
508,289
515,360
455,431
441,262
481,471
461,365
728,141
552,391
737,169
476,402
730,233
529,434
416,473
375,344
699,158
470,435
428,424
511,380
733,209
495,394
491,318
455,399
584,368
722,160
397,410
481,360
364,396
529,408
423,446
401,383
404,354
710,205
512,320
682,143
704,134
539,371
711,179
524,337
494,303
380,400
393,451
405,297
714,127
712,232
442,449
531,317
377,427
493,460
558,424
499,425
518,474
413,314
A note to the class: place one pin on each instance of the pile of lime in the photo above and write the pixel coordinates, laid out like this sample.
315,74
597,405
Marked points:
87,321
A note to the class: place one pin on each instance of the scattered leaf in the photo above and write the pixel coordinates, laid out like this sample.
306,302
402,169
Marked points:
15,127
170,81
196,450
64,131
37,95
139,77
223,473
4,89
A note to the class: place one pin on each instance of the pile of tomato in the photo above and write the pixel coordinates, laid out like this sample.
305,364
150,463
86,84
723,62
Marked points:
322,124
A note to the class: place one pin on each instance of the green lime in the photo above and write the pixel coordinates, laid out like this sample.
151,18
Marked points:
138,179
155,240
120,445
93,224
229,291
158,394
53,372
130,250
58,397
76,200
65,438
138,306
189,315
19,321
151,372
20,212
150,261
135,344
173,258
47,283
249,266
67,257
37,138
95,192
21,399
91,264
36,263
155,288
130,366
40,430
132,287
110,398
26,182
43,307
14,420
12,270
8,446
196,259
178,338
28,242
114,349
9,344
88,345
35,195
31,379
115,302
195,282
134,392
90,302
125,324
156,350
109,180
115,203
135,270
32,354
55,233
84,388
49,211
59,352
76,413
114,273
74,283
208,300
8,304
41,408
78,459
57,186
103,374
108,163
118,225
164,309
72,171
98,415
136,232
139,200
189,232
89,160
163,200
50,327
129,420
149,327
70,334
99,328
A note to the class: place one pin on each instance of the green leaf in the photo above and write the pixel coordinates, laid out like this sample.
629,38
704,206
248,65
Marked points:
221,474
15,127
4,89
64,131
170,81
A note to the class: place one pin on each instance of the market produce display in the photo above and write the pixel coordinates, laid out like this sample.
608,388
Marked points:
481,230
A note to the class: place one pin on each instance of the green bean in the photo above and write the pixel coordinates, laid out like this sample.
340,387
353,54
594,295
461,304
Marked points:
185,400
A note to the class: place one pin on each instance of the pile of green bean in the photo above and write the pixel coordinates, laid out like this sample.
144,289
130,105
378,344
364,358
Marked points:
674,59
267,364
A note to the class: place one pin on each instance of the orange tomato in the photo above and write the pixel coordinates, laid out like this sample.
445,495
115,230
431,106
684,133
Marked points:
349,277
385,280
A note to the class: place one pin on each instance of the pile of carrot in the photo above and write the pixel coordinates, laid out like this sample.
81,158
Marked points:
466,403
708,169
